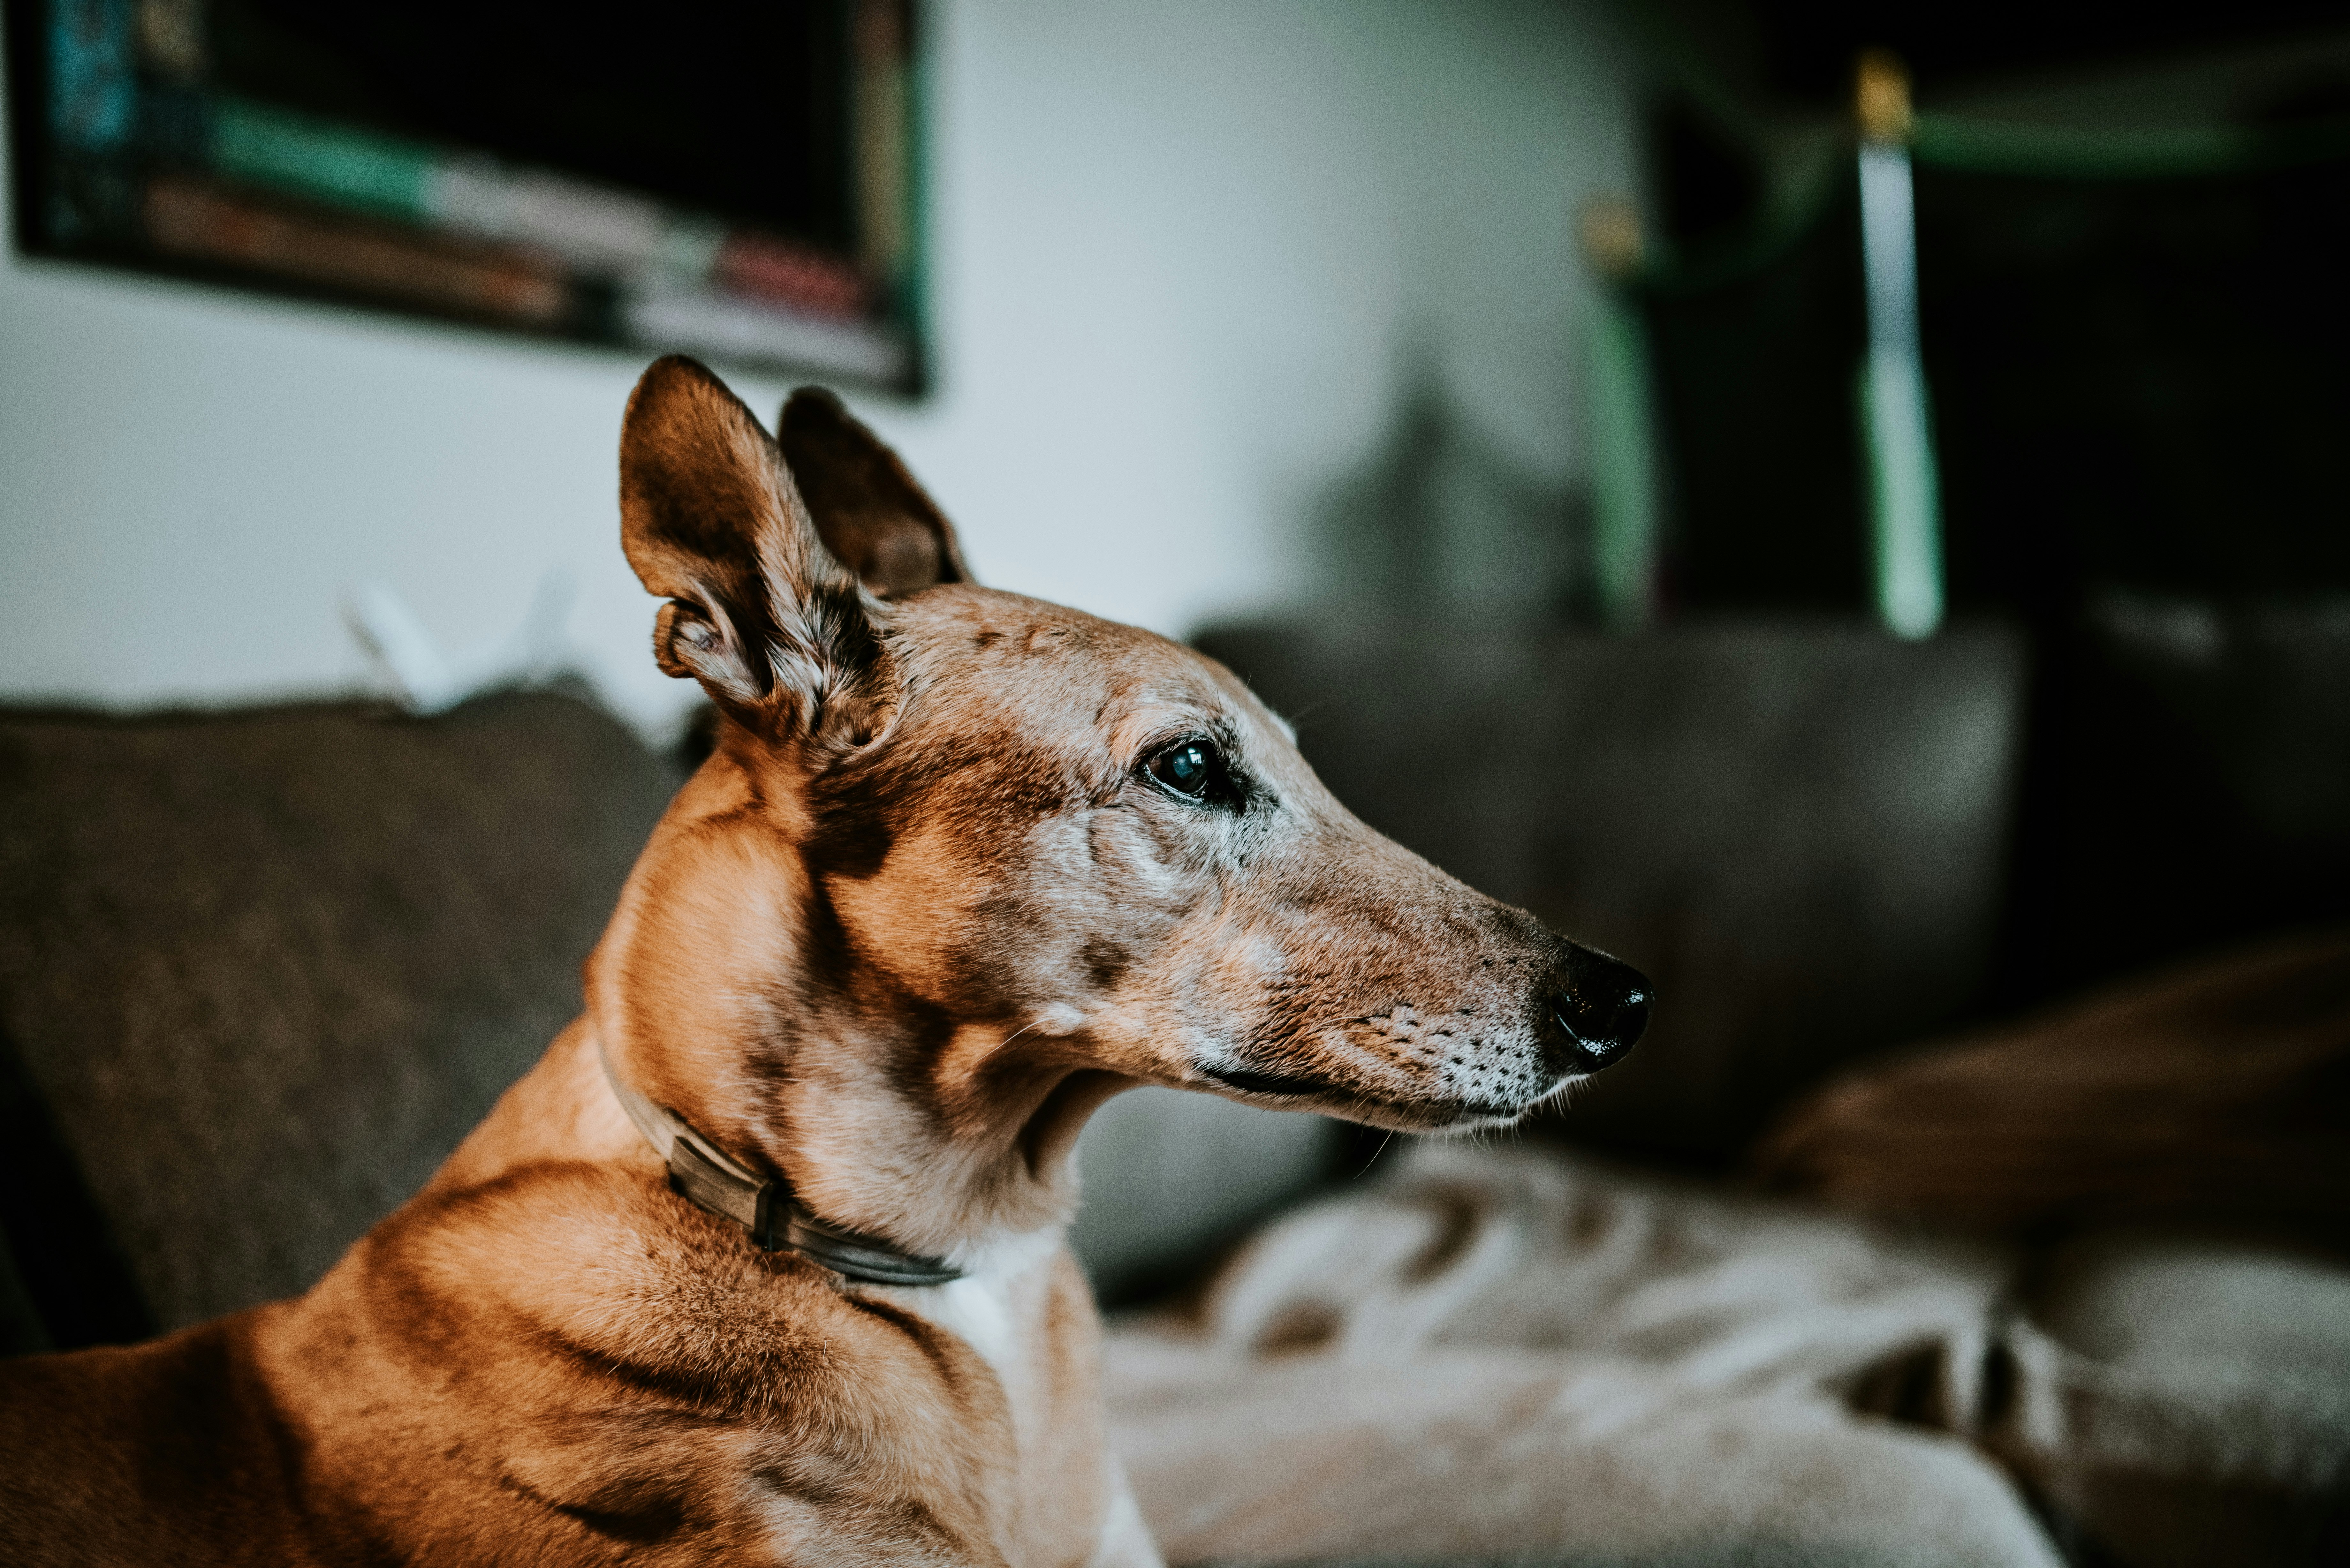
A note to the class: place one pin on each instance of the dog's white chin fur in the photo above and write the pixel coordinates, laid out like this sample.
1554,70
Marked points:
1430,1120
1557,1092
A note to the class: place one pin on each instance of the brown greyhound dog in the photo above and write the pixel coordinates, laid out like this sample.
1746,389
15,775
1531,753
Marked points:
764,1261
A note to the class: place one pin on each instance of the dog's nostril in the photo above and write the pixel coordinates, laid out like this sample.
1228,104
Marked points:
1603,1007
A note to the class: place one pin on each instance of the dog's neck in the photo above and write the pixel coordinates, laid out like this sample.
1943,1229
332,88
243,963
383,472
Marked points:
880,1188
718,994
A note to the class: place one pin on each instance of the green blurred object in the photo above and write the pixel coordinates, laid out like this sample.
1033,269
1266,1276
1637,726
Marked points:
1622,432
335,164
1904,489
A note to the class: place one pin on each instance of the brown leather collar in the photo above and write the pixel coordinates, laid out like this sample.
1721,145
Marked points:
701,1172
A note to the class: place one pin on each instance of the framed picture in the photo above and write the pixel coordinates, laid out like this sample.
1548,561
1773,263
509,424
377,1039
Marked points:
738,181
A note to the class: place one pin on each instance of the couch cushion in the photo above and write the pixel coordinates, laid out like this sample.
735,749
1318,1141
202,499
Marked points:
262,970
2186,786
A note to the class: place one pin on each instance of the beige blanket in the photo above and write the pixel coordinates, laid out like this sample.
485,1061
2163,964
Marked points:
1514,1358
1522,1358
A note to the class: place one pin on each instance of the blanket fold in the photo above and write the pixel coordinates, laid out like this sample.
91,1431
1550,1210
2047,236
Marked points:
1512,1358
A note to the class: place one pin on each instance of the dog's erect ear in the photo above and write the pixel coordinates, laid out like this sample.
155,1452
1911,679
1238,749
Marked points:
868,509
760,613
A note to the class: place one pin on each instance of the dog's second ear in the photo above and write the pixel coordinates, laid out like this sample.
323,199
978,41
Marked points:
868,509
759,611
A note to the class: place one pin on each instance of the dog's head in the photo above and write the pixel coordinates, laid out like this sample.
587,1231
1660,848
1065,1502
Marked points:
979,852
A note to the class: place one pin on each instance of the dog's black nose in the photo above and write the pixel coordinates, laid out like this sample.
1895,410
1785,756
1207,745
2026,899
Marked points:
1602,1006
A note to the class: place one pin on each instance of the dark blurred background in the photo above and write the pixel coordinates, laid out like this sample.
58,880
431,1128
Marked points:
2129,742
2136,376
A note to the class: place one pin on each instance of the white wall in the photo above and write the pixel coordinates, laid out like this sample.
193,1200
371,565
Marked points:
1181,250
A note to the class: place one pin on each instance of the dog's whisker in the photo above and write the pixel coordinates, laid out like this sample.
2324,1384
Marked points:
1003,1044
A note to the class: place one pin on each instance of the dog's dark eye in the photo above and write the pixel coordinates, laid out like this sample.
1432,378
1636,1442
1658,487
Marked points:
1193,768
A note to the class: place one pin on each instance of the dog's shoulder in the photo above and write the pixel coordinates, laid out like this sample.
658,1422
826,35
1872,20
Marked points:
604,1271
571,1346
